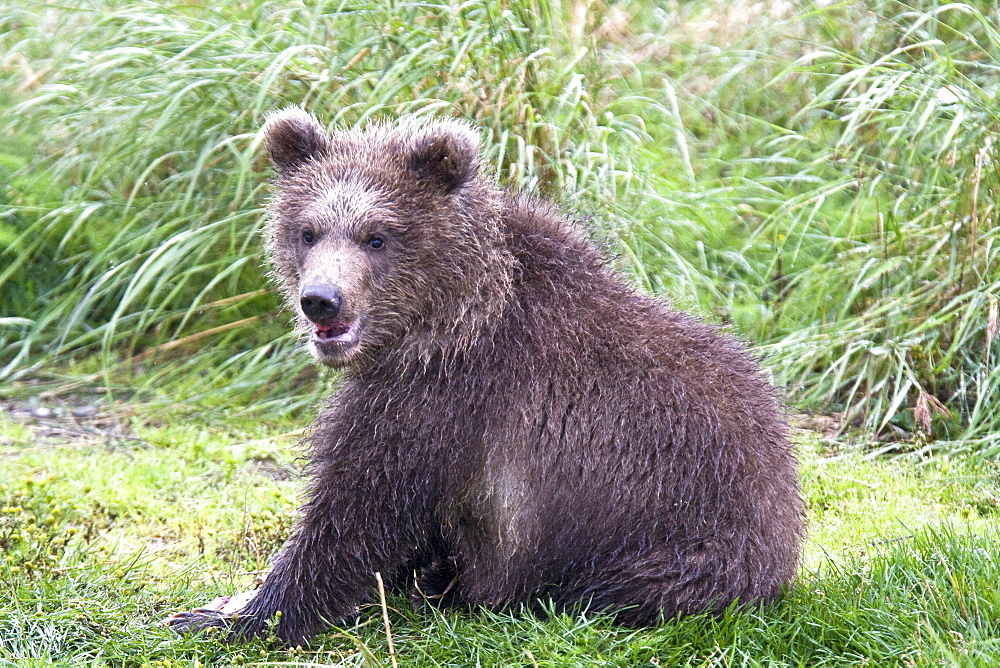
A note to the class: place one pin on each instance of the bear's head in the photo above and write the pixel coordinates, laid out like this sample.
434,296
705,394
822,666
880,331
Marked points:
383,237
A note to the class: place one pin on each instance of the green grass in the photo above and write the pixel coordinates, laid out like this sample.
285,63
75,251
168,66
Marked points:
103,536
820,178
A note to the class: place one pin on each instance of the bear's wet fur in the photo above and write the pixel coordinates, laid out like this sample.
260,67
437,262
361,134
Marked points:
515,423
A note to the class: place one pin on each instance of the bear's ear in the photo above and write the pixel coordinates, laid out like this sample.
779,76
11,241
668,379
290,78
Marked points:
293,137
446,153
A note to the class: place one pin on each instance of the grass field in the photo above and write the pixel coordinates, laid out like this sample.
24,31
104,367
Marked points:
111,522
819,177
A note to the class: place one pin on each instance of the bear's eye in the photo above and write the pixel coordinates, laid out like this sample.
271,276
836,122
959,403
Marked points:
376,242
308,237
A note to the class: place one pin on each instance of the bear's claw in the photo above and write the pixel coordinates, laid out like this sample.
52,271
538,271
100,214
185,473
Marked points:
198,620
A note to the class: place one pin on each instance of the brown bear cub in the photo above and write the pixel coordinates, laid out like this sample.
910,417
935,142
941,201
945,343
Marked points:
515,423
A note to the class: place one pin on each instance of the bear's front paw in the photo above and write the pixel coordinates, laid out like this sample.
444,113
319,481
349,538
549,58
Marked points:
221,613
198,620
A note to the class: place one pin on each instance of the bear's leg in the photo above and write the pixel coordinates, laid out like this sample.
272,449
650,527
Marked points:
646,588
437,584
296,598
324,570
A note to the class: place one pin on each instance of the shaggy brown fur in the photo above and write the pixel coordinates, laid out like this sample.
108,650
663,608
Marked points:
514,422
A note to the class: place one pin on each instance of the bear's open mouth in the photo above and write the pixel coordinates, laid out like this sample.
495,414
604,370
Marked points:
333,331
341,331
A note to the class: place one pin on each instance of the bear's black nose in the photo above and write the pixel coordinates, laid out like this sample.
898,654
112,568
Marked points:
321,303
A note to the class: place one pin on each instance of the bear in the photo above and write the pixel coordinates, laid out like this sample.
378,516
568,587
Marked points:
515,423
